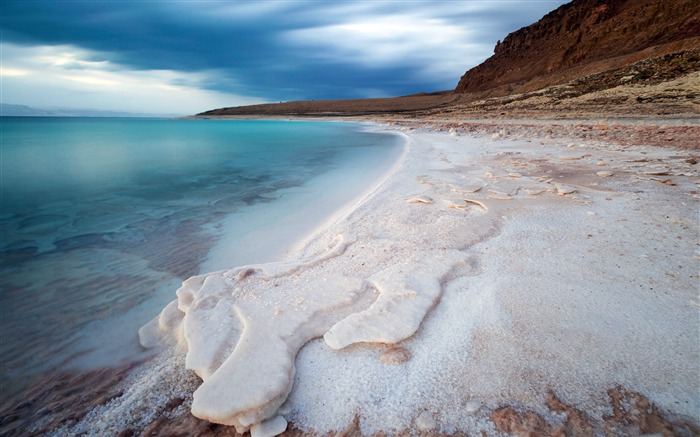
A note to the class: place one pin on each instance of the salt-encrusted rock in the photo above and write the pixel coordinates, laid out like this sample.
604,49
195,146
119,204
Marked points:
477,203
406,294
453,205
269,428
421,199
261,363
243,328
169,321
563,191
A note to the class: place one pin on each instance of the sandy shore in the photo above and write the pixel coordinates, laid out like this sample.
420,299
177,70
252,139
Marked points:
566,297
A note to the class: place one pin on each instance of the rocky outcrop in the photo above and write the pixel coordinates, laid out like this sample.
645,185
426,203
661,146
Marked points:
588,58
581,38
666,86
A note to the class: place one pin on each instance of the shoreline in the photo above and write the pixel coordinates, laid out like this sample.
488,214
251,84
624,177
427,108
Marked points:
579,181
272,236
506,339
547,118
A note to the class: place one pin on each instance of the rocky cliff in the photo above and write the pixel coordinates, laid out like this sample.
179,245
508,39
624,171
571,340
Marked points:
588,58
581,38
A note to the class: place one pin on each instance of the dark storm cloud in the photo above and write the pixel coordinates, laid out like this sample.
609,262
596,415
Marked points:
281,50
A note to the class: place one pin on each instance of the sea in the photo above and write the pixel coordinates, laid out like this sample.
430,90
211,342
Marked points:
101,219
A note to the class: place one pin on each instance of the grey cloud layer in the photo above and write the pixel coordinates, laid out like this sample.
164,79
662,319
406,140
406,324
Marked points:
282,50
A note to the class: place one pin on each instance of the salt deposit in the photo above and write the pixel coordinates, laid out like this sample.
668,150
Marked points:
269,428
555,281
406,293
243,328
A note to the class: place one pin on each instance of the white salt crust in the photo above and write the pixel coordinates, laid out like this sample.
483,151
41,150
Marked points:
535,273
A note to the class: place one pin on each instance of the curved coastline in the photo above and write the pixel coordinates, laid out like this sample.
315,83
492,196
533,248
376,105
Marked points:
274,231
541,254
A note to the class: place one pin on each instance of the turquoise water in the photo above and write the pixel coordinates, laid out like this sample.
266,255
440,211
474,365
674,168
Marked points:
101,219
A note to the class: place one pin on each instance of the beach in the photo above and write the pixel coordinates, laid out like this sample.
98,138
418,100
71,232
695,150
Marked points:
502,278
350,219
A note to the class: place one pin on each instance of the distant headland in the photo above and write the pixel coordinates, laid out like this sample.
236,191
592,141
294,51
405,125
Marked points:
586,58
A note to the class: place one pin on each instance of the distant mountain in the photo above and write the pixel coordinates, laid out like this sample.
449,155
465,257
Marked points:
7,109
10,110
581,38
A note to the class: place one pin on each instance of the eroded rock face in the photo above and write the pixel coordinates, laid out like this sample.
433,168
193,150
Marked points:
584,37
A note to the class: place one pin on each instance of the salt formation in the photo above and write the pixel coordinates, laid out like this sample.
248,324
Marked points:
534,306
407,293
421,199
269,428
243,327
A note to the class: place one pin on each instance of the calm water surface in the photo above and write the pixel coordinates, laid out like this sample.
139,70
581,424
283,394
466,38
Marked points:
101,219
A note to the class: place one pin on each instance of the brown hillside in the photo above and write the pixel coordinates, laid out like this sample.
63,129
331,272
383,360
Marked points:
602,58
358,107
581,38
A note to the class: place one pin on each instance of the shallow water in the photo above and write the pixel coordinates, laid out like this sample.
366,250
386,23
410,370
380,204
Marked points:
103,218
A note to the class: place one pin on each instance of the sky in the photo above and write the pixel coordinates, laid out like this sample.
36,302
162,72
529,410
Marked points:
185,57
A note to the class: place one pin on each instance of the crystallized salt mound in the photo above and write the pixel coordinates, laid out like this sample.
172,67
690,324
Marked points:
407,294
261,366
243,327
